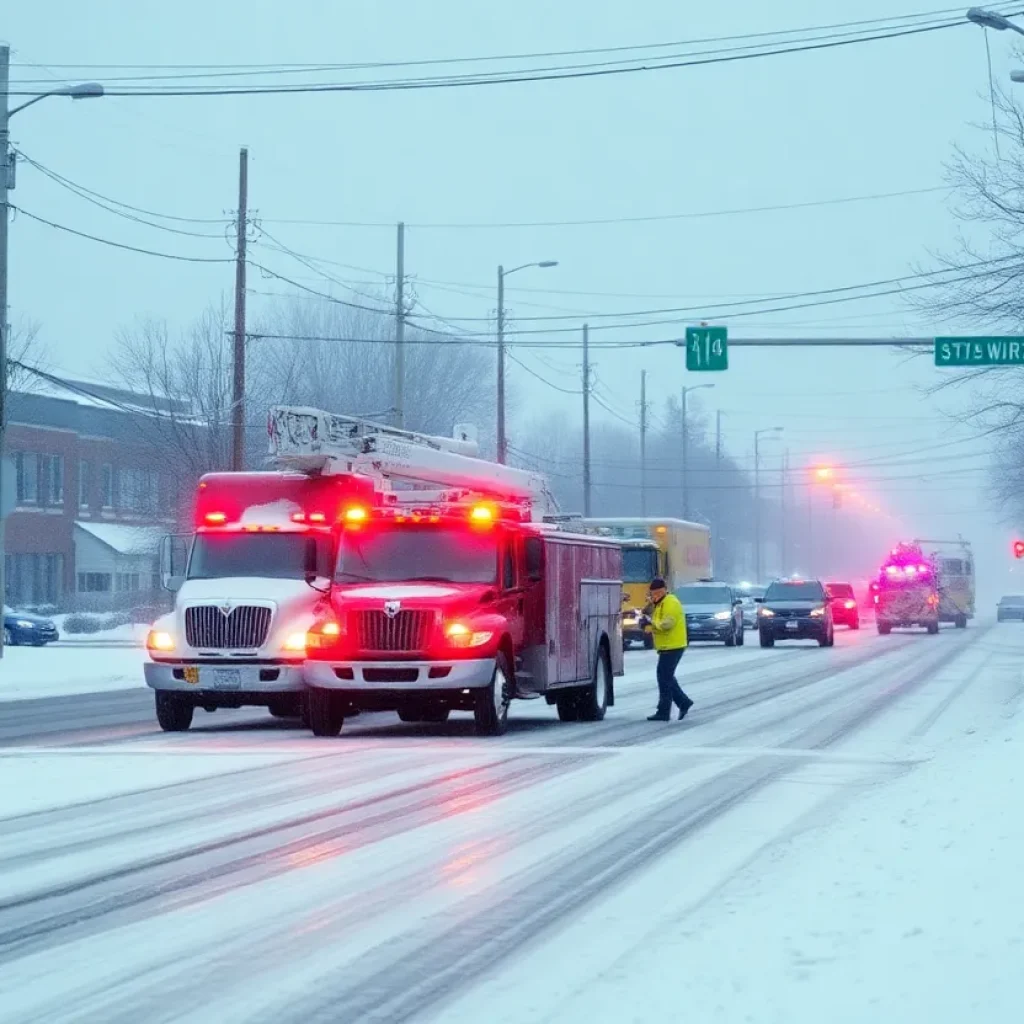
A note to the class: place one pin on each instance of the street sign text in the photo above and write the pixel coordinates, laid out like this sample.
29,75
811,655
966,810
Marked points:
707,348
979,351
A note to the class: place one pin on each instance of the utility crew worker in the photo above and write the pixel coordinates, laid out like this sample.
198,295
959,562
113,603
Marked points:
667,623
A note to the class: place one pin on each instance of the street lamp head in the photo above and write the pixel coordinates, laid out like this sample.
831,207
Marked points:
85,91
1017,76
544,264
989,19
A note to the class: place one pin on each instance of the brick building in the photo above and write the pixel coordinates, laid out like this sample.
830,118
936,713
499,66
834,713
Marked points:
93,496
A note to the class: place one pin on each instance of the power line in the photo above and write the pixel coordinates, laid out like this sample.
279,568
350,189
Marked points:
544,74
642,219
544,380
121,245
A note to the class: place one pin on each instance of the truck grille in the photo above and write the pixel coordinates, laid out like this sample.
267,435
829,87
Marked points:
407,631
207,626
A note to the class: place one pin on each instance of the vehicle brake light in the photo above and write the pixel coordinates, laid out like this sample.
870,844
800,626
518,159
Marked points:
216,518
849,604
460,635
158,640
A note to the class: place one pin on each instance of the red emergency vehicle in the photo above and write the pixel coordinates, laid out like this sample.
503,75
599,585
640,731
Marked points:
464,607
237,633
906,591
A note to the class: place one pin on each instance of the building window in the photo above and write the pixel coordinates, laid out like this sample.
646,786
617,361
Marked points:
84,481
26,468
107,484
51,479
127,581
94,582
137,490
34,580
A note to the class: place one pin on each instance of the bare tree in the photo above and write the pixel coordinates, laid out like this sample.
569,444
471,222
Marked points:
979,282
25,354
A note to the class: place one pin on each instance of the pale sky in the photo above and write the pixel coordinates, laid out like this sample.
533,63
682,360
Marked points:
873,118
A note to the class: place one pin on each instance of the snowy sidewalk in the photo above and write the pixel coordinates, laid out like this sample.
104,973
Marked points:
54,671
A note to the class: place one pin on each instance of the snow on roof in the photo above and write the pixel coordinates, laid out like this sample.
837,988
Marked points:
125,540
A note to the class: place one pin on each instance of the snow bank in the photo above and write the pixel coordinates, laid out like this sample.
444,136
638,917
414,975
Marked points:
55,671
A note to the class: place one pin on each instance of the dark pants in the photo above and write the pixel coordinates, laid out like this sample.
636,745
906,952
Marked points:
669,691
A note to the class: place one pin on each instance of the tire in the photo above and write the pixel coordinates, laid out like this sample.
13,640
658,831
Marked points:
730,640
592,701
490,710
884,629
855,625
961,622
174,713
9,638
648,642
767,640
326,716
828,639
741,637
933,628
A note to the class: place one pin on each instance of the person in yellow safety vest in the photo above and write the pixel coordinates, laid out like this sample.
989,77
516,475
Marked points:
667,624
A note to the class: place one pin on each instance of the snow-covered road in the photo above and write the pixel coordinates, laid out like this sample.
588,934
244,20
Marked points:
797,850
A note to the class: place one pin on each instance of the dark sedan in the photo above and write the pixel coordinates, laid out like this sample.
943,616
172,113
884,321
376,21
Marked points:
28,630
796,610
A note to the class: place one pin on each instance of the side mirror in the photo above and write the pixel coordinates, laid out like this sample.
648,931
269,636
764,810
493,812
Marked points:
173,559
309,564
737,602
758,600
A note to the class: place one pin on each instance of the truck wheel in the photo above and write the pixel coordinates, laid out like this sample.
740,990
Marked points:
326,716
961,622
933,628
648,642
767,640
884,629
490,710
568,706
173,712
592,702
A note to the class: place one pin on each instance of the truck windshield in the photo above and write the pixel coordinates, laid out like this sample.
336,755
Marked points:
639,565
279,556
444,555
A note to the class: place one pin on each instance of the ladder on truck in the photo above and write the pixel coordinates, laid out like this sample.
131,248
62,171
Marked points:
402,462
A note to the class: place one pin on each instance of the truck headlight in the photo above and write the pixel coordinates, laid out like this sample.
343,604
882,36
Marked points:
159,640
460,635
295,643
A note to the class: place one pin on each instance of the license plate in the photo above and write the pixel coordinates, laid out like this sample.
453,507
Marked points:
191,673
792,625
227,679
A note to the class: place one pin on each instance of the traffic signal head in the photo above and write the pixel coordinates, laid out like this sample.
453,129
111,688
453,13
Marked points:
1018,549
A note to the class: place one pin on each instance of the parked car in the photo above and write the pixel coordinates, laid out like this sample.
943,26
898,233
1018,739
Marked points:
713,612
796,610
28,630
1010,607
844,605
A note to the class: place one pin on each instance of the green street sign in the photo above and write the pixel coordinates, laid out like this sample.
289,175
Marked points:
979,351
707,348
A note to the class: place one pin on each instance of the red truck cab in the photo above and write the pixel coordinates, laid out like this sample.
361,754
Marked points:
464,607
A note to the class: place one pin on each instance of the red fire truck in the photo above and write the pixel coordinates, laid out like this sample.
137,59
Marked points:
461,598
906,591
464,607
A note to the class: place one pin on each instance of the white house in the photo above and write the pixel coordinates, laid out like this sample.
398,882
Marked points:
115,564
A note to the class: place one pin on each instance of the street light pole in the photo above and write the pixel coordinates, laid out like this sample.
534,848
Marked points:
686,449
757,497
502,438
87,90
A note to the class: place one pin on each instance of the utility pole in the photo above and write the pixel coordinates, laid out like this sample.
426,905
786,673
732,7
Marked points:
502,442
586,420
400,329
686,461
785,546
5,173
757,498
716,536
643,443
238,383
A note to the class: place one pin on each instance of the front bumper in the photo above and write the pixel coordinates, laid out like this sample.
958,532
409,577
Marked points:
804,629
711,630
269,677
33,635
374,676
